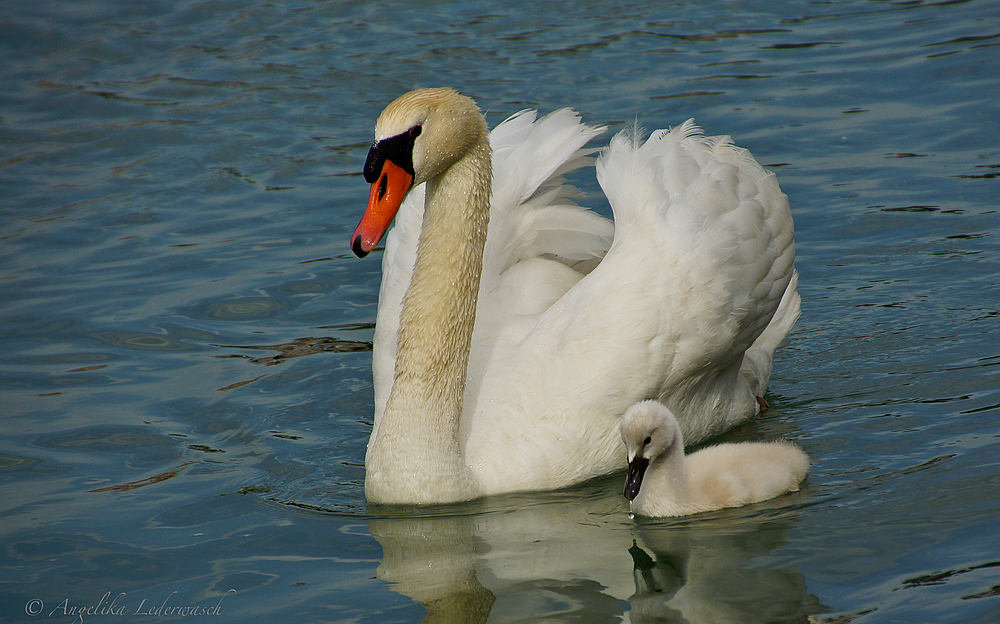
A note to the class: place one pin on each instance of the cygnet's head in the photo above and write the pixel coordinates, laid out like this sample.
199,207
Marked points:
649,430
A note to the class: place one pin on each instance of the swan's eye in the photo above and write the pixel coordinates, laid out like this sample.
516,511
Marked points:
414,132
647,441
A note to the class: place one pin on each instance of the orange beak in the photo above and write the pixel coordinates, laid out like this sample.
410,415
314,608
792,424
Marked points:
386,196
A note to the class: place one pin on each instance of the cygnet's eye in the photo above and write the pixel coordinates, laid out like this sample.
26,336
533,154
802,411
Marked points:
647,441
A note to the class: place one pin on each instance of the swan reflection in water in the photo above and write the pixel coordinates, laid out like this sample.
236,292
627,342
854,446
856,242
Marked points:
577,553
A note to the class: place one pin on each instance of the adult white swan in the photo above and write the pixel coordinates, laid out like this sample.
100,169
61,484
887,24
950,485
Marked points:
503,361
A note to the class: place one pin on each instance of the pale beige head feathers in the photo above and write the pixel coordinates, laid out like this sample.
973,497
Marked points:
450,125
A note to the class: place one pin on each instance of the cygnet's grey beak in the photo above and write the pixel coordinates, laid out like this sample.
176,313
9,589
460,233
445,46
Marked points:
636,468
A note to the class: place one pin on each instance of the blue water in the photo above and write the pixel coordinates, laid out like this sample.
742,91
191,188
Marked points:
185,392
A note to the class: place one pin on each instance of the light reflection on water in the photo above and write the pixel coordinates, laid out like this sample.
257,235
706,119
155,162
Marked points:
184,327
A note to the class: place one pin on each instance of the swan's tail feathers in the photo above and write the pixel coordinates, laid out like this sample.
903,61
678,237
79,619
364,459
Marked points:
759,358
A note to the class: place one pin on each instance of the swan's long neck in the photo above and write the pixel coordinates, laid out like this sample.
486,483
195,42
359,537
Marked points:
416,456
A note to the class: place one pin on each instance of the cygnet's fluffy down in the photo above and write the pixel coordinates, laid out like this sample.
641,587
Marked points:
662,481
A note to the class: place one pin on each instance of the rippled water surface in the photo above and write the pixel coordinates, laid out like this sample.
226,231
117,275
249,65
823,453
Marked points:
185,380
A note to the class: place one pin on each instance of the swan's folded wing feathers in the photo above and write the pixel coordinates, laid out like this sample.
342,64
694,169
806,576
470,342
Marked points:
570,233
531,198
550,224
527,153
718,218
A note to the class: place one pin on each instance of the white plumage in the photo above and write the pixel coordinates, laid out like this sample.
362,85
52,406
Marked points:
662,481
576,317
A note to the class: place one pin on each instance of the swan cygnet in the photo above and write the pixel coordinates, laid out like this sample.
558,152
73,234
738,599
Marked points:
662,481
